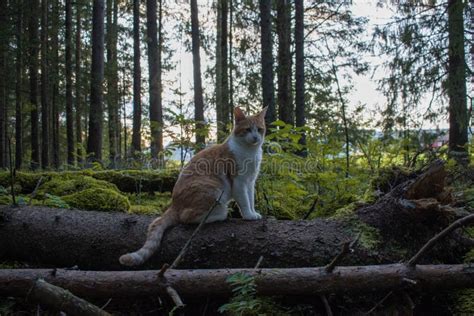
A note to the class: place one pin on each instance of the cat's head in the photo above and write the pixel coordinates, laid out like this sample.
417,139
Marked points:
249,129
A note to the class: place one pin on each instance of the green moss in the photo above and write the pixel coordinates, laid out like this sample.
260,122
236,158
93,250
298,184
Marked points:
369,237
98,199
27,180
345,212
145,203
67,184
139,180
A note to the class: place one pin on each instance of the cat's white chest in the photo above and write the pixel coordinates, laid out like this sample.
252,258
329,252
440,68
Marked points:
247,160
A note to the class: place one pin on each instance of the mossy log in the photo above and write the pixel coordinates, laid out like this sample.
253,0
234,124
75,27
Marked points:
212,283
391,230
131,181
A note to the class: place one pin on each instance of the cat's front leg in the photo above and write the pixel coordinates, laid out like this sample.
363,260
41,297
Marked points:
251,195
240,192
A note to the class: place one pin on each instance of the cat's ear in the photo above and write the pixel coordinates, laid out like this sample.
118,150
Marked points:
262,113
239,114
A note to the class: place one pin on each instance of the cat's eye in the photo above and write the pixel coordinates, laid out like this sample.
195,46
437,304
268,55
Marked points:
249,130
260,130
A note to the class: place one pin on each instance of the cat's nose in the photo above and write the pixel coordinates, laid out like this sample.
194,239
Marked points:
255,139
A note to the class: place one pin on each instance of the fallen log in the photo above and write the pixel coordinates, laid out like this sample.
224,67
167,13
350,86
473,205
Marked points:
61,300
132,181
392,229
212,283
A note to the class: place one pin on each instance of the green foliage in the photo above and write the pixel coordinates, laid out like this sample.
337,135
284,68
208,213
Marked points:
245,301
98,199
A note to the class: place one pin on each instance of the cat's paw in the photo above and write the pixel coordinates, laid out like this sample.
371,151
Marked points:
253,216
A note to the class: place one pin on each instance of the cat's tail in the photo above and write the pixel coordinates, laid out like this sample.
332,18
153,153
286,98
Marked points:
153,240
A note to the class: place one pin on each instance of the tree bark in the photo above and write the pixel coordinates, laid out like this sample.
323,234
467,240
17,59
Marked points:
45,135
154,71
94,142
3,84
78,74
33,72
137,73
456,85
112,81
222,84
285,103
266,43
69,100
212,283
198,97
55,83
299,73
18,88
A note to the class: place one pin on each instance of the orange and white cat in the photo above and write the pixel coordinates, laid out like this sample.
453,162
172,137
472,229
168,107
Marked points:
228,170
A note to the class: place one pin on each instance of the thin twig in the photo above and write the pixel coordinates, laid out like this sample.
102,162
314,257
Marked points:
327,307
188,243
259,262
175,297
379,303
33,194
410,302
347,247
312,208
12,173
430,244
161,275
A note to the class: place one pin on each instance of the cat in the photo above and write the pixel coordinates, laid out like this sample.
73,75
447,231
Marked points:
222,172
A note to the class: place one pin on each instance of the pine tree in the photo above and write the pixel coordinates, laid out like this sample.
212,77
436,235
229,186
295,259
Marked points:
137,104
94,141
198,98
266,43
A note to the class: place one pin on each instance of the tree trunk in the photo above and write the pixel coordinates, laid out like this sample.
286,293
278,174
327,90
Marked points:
231,62
55,83
18,87
33,71
266,43
79,113
112,80
69,100
212,283
137,73
3,84
222,89
198,97
285,104
45,135
154,70
456,87
299,73
403,219
94,142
